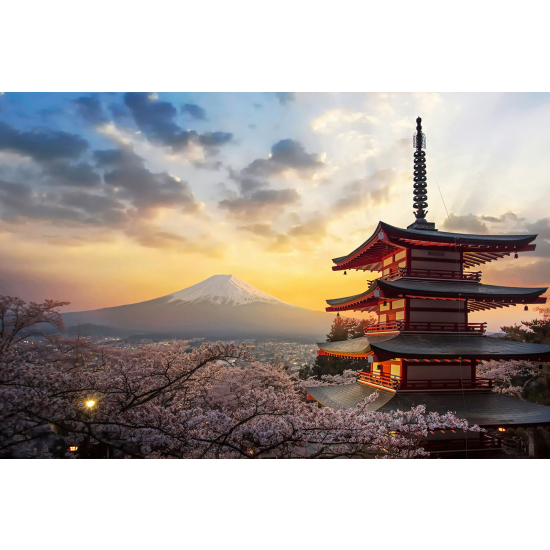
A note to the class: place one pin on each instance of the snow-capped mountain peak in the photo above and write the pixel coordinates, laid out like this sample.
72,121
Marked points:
223,290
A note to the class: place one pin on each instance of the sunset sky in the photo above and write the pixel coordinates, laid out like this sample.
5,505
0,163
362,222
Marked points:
112,198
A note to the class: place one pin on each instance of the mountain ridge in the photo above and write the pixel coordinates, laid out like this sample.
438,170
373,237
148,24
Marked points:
220,305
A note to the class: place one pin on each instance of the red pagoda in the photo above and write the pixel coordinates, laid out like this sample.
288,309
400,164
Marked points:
423,350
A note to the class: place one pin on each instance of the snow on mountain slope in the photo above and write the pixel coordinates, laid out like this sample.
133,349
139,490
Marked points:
223,290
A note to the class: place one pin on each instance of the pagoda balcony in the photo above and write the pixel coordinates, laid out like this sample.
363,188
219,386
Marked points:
474,276
389,381
408,326
394,382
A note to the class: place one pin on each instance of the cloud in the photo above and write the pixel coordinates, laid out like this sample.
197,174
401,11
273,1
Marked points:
42,144
150,236
260,229
300,236
285,154
469,223
194,111
542,229
509,216
90,109
74,175
156,119
20,203
335,119
260,204
373,190
104,210
285,97
534,274
119,112
127,176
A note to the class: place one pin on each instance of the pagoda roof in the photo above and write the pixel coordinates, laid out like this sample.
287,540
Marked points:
484,409
388,239
482,295
435,346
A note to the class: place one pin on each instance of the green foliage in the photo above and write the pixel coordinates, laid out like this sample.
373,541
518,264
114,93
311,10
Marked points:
536,331
343,328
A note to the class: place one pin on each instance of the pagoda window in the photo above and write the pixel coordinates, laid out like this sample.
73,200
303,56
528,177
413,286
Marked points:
387,261
401,256
439,371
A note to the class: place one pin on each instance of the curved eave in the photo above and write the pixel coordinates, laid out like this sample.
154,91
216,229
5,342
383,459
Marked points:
407,288
464,238
488,410
432,346
387,239
478,291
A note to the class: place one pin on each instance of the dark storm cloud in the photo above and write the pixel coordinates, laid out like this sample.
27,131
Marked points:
90,109
260,204
126,174
155,119
285,154
285,97
42,144
77,175
194,111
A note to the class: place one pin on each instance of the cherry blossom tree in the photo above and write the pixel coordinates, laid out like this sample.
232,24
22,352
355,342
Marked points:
347,377
506,375
170,401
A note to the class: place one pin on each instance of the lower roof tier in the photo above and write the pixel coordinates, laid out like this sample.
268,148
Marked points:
384,347
489,410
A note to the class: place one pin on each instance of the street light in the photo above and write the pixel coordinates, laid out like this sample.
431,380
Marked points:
90,403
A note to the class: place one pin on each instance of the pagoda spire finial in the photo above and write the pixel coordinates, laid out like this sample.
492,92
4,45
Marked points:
420,184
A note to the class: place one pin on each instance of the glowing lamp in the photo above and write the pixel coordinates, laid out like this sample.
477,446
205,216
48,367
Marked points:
90,403
502,429
73,449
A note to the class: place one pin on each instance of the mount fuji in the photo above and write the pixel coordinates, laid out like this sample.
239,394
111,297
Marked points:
220,307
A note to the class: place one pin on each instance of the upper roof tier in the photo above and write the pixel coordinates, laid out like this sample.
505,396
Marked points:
387,239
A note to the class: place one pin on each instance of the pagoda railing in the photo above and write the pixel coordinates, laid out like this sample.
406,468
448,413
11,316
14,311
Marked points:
431,326
386,380
447,384
395,382
431,274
